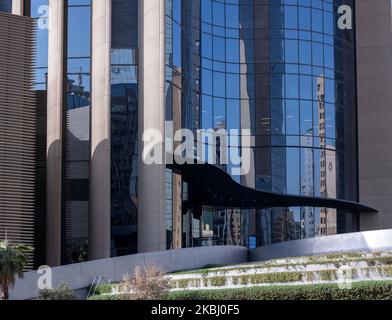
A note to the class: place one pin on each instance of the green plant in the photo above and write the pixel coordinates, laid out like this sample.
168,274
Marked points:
13,260
146,283
360,291
371,262
244,279
196,282
63,292
218,281
183,283
328,275
386,271
309,276
102,288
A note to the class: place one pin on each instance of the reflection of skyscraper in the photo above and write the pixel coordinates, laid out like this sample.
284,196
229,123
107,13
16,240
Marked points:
284,227
327,165
177,180
234,226
307,185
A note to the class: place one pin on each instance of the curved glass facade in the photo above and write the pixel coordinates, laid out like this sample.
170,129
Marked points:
282,69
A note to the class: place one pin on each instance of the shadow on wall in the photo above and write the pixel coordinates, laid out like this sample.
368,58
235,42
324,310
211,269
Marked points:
53,216
100,190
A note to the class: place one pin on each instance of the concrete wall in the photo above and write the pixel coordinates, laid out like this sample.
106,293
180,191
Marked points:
81,275
359,241
374,42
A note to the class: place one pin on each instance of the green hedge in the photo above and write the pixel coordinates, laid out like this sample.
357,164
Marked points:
105,297
103,288
360,291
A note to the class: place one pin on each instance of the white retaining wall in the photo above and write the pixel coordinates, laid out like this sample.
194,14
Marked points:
81,275
358,241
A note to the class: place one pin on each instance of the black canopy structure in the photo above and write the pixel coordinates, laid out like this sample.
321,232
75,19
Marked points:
214,187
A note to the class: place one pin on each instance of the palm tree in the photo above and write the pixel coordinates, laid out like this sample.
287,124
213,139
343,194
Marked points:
13,259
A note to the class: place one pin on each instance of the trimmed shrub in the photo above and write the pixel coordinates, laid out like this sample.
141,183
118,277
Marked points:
103,288
63,292
328,275
183,283
218,281
359,291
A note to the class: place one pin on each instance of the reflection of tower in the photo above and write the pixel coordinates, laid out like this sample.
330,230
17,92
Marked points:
307,213
327,166
234,226
177,179
283,225
124,154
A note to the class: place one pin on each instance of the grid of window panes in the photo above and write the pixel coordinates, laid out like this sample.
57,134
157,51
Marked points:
284,70
77,132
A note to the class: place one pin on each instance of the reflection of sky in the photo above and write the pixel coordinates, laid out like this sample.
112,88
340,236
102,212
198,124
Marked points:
39,11
6,6
301,49
79,42
79,31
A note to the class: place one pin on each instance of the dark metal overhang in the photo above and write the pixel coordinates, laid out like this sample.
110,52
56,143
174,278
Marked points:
214,187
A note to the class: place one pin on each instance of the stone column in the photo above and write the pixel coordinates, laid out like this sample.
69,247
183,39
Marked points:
151,183
54,130
99,216
18,7
374,71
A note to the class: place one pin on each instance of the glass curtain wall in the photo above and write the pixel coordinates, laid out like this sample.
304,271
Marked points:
6,6
285,71
76,149
124,127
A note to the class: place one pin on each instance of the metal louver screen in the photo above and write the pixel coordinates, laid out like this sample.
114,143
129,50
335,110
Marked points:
17,130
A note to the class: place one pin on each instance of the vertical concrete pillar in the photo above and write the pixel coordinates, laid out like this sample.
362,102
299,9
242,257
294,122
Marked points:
374,72
99,216
151,183
18,7
54,130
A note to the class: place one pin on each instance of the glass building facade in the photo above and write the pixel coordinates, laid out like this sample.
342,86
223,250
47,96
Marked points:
124,127
279,70
6,6
76,115
282,69
39,10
